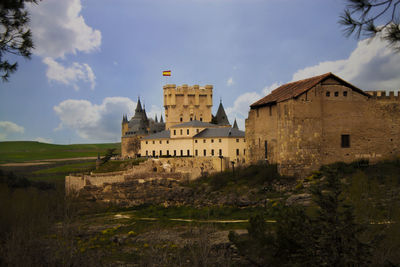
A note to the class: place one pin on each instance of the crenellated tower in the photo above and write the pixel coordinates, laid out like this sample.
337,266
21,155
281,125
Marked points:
186,103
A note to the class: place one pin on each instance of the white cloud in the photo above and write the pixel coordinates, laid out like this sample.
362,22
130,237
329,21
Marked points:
9,128
44,140
230,82
268,89
371,66
241,108
155,110
95,122
59,29
69,75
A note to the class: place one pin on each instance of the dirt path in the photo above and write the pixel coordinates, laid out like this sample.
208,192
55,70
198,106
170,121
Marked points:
43,162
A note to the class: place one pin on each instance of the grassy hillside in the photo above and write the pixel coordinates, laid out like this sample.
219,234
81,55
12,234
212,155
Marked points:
21,151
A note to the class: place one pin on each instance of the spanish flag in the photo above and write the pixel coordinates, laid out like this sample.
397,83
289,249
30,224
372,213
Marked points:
166,73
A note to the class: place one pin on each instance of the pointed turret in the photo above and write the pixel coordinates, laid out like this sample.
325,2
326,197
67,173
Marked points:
155,119
220,117
138,106
235,126
161,119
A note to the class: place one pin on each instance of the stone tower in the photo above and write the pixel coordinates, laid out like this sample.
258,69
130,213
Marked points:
186,103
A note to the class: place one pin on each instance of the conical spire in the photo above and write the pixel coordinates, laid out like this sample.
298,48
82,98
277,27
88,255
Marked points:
138,106
221,118
235,126
155,119
161,119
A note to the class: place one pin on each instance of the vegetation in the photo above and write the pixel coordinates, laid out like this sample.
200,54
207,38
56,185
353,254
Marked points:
360,18
22,151
118,165
15,35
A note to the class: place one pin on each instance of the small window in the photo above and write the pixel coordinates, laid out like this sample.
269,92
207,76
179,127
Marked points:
237,140
220,152
220,140
167,152
205,152
174,132
154,153
212,140
328,94
195,141
160,142
147,152
167,141
181,132
187,131
212,152
204,140
197,130
336,93
345,140
160,152
174,152
181,119
188,152
237,152
147,142
201,119
345,93
154,142
191,118
244,151
196,152
181,153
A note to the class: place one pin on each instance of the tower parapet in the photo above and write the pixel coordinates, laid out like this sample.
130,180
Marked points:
382,95
185,103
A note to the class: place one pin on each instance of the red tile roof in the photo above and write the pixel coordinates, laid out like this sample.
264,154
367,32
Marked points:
295,89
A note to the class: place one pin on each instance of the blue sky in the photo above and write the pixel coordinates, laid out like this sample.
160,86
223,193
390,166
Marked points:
93,58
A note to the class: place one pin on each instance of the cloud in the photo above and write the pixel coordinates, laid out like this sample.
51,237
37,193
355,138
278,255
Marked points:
230,82
44,140
59,29
371,66
69,75
94,122
268,89
9,128
241,108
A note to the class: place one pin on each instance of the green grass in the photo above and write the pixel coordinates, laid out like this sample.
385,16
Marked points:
21,151
69,168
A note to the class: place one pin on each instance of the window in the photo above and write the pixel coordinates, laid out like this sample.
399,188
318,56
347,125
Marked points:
147,152
201,119
237,140
167,141
154,142
212,140
244,151
336,93
204,140
257,112
328,94
154,153
188,152
220,152
181,119
345,93
191,118
181,132
205,152
196,152
345,140
167,152
187,131
197,130
147,142
237,152
195,141
160,152
174,152
174,132
181,152
212,152
220,140
160,142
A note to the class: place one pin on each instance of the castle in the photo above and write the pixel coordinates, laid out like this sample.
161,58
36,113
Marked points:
190,129
299,126
305,124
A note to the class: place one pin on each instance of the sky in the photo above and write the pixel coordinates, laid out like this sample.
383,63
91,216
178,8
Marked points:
94,58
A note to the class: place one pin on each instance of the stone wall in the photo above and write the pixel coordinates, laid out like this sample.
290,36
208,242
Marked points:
306,132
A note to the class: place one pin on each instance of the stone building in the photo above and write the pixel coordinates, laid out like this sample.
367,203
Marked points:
136,128
196,139
304,124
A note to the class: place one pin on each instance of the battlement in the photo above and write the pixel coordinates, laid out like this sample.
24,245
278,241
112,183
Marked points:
186,88
382,95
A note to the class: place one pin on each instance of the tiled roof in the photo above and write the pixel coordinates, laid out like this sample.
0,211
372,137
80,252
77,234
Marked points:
194,123
159,135
220,132
295,89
